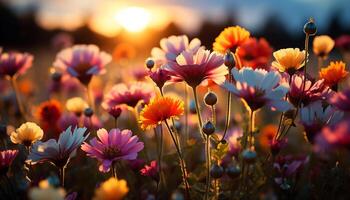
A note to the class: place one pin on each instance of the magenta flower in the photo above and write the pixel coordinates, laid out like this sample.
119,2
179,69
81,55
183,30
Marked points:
198,67
341,100
233,138
58,152
82,61
151,170
6,158
313,91
259,88
159,76
129,95
113,146
14,63
66,120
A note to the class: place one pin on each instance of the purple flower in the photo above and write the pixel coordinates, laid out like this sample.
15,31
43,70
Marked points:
67,120
82,61
113,146
14,63
58,152
160,76
6,158
232,137
151,170
341,100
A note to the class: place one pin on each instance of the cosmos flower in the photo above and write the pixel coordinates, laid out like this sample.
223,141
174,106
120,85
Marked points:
6,158
341,100
76,105
82,61
313,91
112,189
197,67
323,45
159,76
259,88
46,191
230,39
27,134
255,53
232,137
113,146
173,46
343,42
14,63
49,112
334,73
314,116
288,60
151,170
127,95
160,109
58,152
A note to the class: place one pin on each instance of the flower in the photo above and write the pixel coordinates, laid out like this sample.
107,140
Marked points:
66,120
113,146
76,105
313,91
288,60
124,51
255,53
343,42
230,39
173,46
322,45
159,76
58,152
267,135
14,63
197,67
112,189
46,191
6,158
314,116
27,134
160,109
82,61
232,137
259,88
49,112
341,100
151,170
127,95
115,111
334,73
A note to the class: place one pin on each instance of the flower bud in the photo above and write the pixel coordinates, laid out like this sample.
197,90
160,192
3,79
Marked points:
249,156
233,171
210,98
193,107
208,128
56,76
229,60
149,63
115,111
310,27
216,171
88,112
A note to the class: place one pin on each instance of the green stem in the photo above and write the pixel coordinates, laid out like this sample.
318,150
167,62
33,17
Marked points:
198,112
90,98
207,145
160,152
62,175
228,111
252,128
186,115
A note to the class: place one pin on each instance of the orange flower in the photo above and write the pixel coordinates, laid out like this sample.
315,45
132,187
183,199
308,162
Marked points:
124,51
49,111
230,39
322,45
160,109
334,73
266,135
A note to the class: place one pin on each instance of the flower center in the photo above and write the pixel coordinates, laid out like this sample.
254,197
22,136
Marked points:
111,152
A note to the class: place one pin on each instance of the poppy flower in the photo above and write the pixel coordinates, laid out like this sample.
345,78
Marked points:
230,39
288,60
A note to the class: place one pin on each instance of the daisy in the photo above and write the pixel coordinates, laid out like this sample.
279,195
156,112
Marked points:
341,100
288,60
6,158
14,63
27,134
334,73
82,62
323,45
112,189
230,39
113,146
259,88
198,67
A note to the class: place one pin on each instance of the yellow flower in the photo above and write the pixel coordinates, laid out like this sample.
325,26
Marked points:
322,45
27,134
230,39
288,60
160,109
45,192
334,73
76,105
112,189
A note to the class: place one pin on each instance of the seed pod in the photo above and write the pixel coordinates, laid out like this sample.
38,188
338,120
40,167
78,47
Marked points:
216,171
229,60
149,63
56,76
249,156
88,112
233,171
210,98
310,27
208,128
193,107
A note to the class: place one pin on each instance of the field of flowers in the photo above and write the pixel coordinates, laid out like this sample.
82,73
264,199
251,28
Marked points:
238,120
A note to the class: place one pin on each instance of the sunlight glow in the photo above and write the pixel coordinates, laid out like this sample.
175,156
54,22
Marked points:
133,19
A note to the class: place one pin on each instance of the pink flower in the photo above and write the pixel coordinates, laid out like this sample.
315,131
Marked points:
160,76
151,170
6,158
198,67
313,91
14,63
259,88
96,122
82,61
341,100
173,46
115,111
129,95
113,146
232,137
343,42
